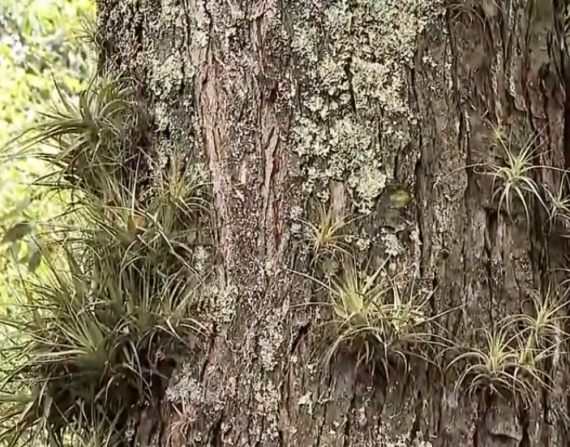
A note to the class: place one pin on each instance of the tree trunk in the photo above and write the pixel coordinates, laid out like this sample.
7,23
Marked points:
353,103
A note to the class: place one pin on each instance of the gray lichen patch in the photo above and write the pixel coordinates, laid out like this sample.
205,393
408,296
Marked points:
185,388
267,398
355,107
225,303
166,76
272,338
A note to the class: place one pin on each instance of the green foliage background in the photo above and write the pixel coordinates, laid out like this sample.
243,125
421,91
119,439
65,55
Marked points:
42,45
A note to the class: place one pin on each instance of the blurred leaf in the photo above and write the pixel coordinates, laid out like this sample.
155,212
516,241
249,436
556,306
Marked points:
35,261
17,232
18,209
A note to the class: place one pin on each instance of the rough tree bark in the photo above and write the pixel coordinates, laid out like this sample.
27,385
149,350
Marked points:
351,100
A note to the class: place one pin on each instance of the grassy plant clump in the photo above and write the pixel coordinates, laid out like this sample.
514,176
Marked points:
515,360
89,144
99,338
383,315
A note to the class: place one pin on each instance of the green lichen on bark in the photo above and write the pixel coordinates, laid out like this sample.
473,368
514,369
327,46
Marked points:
355,110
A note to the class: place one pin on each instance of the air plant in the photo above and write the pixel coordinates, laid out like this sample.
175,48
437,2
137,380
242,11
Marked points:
514,178
326,236
543,331
385,315
558,205
498,367
514,357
